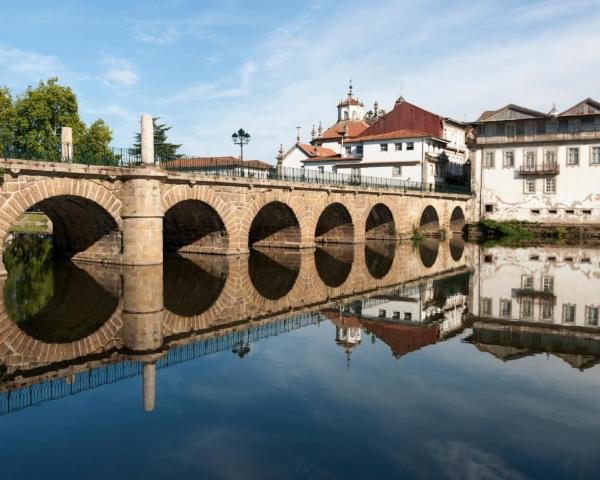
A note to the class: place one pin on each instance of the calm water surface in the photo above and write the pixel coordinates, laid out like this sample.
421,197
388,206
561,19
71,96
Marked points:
437,360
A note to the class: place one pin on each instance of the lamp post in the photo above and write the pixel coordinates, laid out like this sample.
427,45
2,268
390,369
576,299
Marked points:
241,138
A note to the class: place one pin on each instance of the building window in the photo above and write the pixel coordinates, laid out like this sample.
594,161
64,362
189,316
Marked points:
552,126
510,129
574,125
529,185
547,310
334,168
595,157
321,168
526,308
527,282
530,128
396,170
408,316
568,313
573,156
489,207
348,150
509,159
486,307
396,316
591,315
550,185
550,158
548,284
597,124
410,145
398,146
505,308
383,147
359,149
381,313
490,130
530,160
489,159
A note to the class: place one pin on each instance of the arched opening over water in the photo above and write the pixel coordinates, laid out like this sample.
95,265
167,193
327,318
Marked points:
193,226
457,220
379,257
80,225
429,224
193,284
275,225
428,251
380,223
273,273
457,247
334,263
335,225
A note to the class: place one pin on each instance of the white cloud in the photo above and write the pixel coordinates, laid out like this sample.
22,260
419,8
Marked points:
249,69
30,64
119,72
157,33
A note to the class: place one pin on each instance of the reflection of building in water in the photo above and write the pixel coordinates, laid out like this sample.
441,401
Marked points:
442,301
527,301
348,332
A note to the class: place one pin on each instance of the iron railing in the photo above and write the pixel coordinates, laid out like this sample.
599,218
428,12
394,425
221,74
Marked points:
254,169
105,157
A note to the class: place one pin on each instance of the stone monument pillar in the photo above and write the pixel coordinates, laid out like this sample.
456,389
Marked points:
66,144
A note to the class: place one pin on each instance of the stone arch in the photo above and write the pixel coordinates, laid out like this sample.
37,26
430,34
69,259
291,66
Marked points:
429,223
85,216
457,220
273,274
194,226
380,223
274,225
428,252
335,225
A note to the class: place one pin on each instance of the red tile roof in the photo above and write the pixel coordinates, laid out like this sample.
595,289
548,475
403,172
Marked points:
402,338
354,129
313,151
322,158
404,133
405,115
350,101
209,162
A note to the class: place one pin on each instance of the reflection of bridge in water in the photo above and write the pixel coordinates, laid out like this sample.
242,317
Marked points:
197,305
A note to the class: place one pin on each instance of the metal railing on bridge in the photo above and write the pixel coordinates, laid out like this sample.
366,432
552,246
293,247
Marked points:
103,157
251,169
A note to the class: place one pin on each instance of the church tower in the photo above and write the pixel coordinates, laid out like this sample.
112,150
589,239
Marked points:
351,108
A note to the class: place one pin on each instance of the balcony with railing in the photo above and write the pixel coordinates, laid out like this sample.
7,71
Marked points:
546,168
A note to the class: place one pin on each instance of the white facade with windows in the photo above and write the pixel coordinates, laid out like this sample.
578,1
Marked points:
531,166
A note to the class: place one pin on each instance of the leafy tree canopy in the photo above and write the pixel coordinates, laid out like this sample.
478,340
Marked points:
34,119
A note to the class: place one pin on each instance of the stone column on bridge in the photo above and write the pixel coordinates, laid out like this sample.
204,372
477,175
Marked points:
142,212
66,144
143,312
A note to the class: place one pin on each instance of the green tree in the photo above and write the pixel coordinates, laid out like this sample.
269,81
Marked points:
34,120
162,149
7,119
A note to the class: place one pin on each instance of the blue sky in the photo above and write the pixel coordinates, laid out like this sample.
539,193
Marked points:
208,68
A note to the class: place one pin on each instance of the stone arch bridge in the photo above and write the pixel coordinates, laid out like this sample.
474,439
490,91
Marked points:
129,216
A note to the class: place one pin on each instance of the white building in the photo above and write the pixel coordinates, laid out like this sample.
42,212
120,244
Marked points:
408,143
544,167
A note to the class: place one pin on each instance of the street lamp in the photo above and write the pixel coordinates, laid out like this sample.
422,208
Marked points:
241,138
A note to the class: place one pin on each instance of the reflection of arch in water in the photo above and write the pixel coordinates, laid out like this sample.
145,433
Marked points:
194,226
193,284
457,247
428,251
334,225
379,257
457,220
76,306
380,223
429,224
273,273
274,225
334,263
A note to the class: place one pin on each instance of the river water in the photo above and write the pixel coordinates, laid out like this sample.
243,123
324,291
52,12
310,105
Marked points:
428,360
